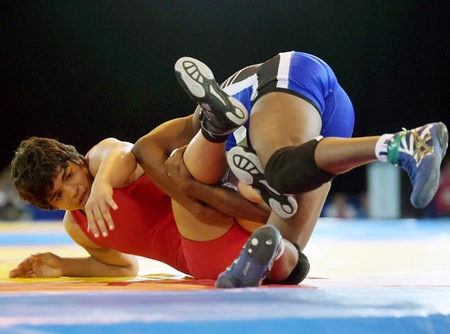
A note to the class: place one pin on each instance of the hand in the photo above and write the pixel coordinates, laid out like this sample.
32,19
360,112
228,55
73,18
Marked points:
177,171
38,265
97,208
209,203
193,191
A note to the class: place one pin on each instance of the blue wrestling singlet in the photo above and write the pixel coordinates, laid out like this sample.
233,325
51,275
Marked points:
301,74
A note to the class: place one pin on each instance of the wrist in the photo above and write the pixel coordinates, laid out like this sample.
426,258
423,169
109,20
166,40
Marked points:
101,178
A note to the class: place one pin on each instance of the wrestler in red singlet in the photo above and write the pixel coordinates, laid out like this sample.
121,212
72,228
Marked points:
145,226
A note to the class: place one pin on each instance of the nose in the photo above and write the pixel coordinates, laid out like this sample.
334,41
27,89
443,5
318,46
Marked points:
71,191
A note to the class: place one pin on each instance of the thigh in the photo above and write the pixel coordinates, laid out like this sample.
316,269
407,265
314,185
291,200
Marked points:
278,120
207,259
193,229
281,119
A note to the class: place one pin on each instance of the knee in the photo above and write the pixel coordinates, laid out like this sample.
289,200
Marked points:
293,169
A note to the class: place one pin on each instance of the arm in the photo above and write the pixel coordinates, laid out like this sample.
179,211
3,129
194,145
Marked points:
227,200
103,262
152,152
113,166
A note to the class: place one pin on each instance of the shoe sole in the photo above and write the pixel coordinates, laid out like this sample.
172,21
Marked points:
198,81
247,168
429,172
262,247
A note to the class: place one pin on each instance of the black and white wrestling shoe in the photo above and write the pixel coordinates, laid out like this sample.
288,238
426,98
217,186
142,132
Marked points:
247,168
223,113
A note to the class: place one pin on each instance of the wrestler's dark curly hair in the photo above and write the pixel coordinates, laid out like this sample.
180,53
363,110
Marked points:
35,165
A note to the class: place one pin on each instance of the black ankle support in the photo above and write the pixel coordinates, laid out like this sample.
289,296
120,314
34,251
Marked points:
209,131
293,170
298,274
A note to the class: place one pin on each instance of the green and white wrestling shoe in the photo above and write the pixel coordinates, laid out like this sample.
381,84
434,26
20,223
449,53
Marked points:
420,152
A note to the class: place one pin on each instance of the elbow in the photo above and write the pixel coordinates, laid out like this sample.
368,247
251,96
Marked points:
133,272
133,268
142,148
138,149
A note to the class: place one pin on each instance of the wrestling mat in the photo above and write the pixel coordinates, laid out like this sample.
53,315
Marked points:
366,277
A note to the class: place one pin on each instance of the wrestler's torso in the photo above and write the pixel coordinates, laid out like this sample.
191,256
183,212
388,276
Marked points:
144,224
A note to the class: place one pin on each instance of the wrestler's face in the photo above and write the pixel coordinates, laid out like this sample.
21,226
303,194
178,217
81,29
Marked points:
71,187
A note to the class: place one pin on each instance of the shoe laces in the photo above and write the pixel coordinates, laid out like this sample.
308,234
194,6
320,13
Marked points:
413,155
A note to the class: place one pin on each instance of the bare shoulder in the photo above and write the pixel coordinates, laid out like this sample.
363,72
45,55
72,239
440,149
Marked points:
75,232
96,153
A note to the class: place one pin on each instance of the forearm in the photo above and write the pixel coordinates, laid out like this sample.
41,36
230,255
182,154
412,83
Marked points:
227,201
230,202
152,151
90,267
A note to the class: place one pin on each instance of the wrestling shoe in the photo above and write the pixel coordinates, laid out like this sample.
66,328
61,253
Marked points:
255,260
420,152
247,168
223,113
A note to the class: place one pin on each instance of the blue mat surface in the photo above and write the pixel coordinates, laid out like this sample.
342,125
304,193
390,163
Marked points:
264,310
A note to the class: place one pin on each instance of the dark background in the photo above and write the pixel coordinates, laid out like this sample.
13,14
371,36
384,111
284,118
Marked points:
81,71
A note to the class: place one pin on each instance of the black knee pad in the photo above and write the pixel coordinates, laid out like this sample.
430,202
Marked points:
298,274
293,169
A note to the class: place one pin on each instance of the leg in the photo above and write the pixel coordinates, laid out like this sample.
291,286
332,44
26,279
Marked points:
340,155
193,229
205,160
220,114
279,120
419,151
282,129
206,153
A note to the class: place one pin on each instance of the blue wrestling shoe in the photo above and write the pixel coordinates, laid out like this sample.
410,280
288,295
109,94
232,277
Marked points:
255,260
247,168
420,152
224,113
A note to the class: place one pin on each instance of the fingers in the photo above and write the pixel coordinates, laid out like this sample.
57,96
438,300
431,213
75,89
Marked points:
24,269
20,273
25,264
92,226
99,216
47,258
107,214
14,273
177,171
